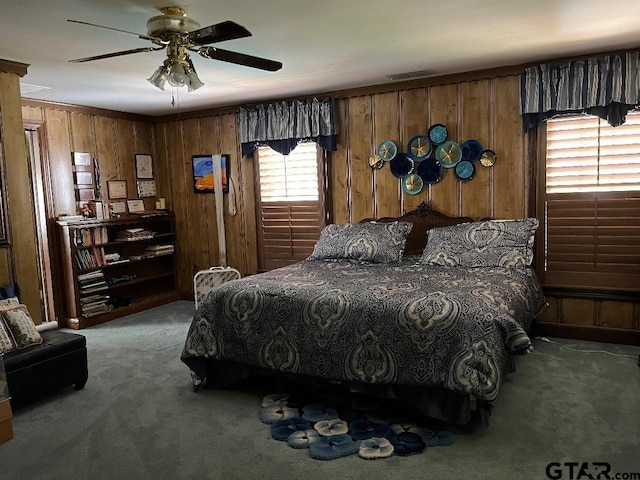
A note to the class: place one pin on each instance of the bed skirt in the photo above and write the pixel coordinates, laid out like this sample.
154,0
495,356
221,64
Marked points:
432,401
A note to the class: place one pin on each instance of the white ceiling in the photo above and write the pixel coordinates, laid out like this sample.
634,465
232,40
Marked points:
325,45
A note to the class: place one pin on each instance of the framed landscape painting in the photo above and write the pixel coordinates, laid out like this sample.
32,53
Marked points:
203,173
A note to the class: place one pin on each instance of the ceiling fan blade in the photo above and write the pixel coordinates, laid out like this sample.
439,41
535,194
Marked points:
219,32
239,58
116,54
139,35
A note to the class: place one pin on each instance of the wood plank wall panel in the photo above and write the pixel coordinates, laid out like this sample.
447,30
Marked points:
361,146
125,150
203,240
475,123
509,172
386,125
106,154
414,120
59,147
339,169
443,108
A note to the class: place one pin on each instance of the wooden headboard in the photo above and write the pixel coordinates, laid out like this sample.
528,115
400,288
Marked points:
424,218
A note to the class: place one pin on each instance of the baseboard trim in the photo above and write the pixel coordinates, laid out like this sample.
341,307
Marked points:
589,333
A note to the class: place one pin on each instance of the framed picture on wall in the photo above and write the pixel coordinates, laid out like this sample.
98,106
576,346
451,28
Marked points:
144,165
146,188
203,173
81,159
117,189
84,178
86,194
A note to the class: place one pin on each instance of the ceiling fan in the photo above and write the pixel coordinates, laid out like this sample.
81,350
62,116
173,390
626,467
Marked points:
176,33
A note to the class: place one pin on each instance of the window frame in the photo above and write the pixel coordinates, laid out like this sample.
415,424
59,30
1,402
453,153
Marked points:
323,209
603,285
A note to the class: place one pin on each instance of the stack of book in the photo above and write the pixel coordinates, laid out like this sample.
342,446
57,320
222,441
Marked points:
95,305
94,299
133,234
156,250
113,258
92,282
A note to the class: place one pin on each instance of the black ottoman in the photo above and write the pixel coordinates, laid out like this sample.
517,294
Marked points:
60,361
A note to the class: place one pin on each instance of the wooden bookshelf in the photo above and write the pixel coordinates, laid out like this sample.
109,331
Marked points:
117,267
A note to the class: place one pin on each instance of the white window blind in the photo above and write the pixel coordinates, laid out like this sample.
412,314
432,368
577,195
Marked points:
586,154
592,204
291,207
293,177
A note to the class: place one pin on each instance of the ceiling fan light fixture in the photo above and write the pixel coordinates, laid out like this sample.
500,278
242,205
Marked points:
194,82
178,76
159,77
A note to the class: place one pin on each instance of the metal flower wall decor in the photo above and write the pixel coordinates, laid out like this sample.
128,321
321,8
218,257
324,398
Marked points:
428,156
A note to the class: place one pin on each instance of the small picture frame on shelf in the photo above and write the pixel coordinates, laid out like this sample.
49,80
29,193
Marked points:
118,207
117,189
146,188
135,206
144,165
84,178
81,159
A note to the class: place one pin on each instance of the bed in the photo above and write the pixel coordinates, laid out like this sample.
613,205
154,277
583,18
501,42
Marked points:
424,308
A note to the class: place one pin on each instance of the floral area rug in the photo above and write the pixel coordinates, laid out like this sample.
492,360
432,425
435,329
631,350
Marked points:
334,425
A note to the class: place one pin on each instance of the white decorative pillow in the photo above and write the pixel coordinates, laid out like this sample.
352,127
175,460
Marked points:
10,302
21,326
365,242
7,343
489,243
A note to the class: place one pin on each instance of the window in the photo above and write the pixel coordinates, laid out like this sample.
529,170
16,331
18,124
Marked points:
291,208
591,204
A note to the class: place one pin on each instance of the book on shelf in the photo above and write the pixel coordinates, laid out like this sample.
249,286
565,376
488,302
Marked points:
133,234
87,236
90,258
156,250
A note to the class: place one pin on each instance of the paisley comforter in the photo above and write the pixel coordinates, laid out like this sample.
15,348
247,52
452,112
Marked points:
406,324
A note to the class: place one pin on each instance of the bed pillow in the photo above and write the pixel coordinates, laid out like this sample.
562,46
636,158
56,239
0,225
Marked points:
365,242
6,339
10,302
489,243
21,326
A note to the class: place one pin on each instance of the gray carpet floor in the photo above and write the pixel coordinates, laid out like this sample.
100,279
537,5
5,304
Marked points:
138,418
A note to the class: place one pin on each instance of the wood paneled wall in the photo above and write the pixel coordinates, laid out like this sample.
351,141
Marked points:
480,105
485,109
18,261
110,137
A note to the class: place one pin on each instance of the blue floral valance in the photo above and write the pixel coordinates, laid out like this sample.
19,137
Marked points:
607,86
282,125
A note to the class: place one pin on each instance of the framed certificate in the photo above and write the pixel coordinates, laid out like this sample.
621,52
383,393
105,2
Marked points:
117,189
135,206
146,188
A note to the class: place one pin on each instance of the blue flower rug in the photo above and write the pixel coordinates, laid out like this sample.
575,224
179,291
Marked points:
335,425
